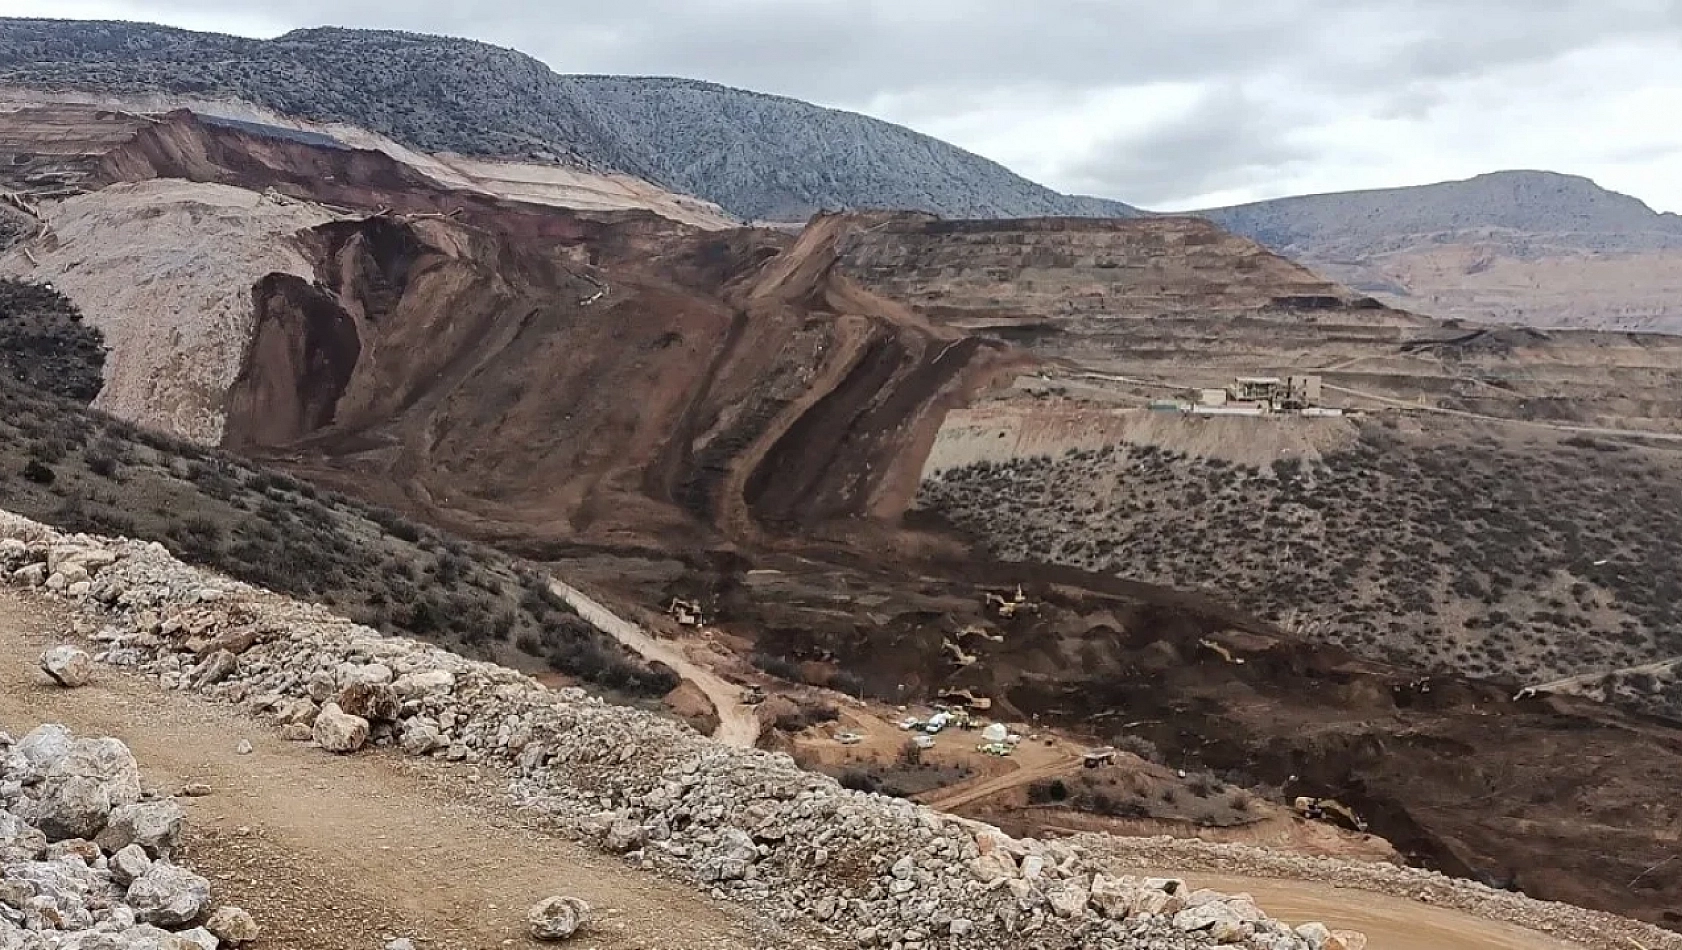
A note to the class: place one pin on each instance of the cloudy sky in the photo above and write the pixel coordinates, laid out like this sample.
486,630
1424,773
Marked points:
1169,104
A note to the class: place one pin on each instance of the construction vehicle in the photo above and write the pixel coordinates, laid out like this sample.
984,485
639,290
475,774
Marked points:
965,699
1010,607
686,612
1328,809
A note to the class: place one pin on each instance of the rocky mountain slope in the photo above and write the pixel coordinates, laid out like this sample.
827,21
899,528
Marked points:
1535,248
760,157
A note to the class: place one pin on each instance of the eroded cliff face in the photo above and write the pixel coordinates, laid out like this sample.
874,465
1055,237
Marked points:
627,381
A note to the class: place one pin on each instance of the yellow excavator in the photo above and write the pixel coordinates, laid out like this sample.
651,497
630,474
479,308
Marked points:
1328,809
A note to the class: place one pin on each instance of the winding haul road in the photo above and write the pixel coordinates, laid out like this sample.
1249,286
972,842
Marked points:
738,724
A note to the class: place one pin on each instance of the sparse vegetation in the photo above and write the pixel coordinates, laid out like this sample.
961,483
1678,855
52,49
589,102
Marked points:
45,346
1523,563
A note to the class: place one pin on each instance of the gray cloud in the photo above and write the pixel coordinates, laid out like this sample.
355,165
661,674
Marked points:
1225,139
1273,81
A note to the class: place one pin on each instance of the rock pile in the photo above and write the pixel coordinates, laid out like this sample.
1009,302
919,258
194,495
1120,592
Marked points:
85,856
745,825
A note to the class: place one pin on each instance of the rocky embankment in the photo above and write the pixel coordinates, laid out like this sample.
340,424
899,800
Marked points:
745,825
85,854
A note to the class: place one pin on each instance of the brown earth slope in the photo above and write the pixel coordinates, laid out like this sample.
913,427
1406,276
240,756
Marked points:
488,376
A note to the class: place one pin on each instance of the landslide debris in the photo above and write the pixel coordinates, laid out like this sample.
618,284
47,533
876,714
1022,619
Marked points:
164,270
1117,662
85,854
1521,562
477,376
748,825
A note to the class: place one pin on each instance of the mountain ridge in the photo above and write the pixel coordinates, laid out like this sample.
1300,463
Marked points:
1528,247
760,156
1515,199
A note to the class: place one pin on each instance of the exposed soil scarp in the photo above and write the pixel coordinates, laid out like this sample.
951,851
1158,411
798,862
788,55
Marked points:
770,394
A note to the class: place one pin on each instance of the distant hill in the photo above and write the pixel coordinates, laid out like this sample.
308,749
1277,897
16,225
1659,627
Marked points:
1529,247
760,157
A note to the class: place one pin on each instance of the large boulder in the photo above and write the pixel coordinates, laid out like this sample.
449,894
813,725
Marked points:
1114,896
68,666
375,702
1069,899
154,826
422,684
129,864
233,925
297,712
72,806
107,761
19,841
30,575
39,751
1225,919
557,918
373,674
168,895
337,731
216,667
421,737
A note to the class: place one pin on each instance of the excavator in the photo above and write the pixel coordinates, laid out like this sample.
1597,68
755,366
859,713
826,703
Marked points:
1010,607
1328,809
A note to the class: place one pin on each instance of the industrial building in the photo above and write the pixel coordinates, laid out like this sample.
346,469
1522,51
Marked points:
1255,396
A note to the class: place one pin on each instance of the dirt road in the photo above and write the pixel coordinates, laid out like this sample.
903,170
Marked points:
738,724
337,853
1391,923
954,797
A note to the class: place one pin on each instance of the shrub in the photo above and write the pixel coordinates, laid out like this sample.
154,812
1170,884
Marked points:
105,466
1046,793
